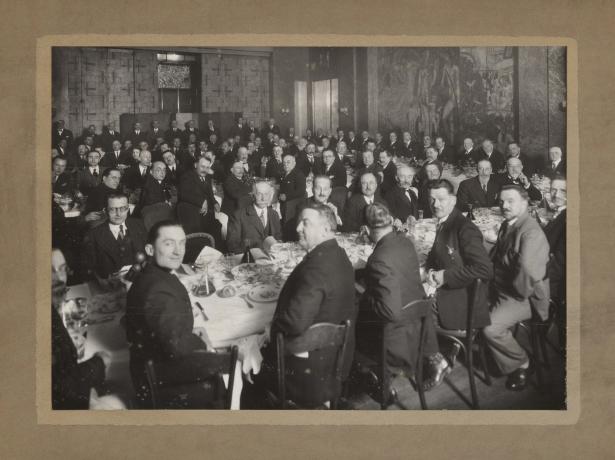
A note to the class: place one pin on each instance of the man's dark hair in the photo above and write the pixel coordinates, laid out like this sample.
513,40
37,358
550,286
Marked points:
116,196
58,157
154,232
441,183
325,213
108,171
520,190
436,163
378,216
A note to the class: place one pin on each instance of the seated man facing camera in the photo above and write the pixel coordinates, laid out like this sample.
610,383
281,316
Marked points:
159,321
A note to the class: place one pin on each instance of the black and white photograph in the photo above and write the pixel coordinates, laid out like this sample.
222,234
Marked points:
308,228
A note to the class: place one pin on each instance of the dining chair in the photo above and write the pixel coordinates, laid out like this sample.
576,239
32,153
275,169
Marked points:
319,336
195,242
194,381
466,339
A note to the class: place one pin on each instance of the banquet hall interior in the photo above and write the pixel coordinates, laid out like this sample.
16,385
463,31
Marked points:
350,228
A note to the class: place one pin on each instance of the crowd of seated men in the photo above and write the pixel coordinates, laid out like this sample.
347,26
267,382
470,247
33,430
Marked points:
126,184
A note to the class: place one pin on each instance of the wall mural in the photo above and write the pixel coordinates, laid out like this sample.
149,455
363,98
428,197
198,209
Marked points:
174,76
451,92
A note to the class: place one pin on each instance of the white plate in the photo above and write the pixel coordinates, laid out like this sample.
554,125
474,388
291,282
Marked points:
264,293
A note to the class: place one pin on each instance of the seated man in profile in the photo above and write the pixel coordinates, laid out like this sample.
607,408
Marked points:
354,214
319,290
514,176
114,244
402,200
480,191
392,282
256,222
159,321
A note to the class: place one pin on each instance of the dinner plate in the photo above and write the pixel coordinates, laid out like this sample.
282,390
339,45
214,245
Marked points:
244,270
264,293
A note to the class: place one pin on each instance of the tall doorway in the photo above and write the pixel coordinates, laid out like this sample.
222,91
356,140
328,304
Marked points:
325,105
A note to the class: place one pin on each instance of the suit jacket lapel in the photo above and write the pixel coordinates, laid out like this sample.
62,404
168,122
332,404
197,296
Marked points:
256,220
108,242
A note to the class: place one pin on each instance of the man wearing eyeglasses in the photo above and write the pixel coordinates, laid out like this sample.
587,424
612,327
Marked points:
110,246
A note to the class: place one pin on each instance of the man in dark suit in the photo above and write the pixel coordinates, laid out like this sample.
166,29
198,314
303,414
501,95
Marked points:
137,135
333,169
255,222
61,132
353,143
237,190
252,130
239,129
275,164
71,381
173,132
455,261
154,133
556,164
426,146
555,231
364,140
190,130
112,245
271,127
394,147
109,135
408,149
468,153
389,171
433,171
514,176
319,290
90,176
292,192
155,188
514,151
159,320
446,153
188,157
196,205
481,191
354,212
393,281
115,156
308,162
174,170
97,199
402,200
520,283
134,177
497,159
368,165
61,181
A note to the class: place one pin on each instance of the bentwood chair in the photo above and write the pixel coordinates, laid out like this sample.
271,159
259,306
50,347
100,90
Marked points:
319,336
417,312
538,330
466,339
193,382
195,242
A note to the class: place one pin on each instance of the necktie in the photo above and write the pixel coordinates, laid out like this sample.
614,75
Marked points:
95,172
121,234
202,179
553,165
485,188
117,155
143,171
263,220
407,193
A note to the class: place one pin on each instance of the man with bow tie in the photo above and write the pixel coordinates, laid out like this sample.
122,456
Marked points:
468,153
481,191
403,199
90,176
255,222
197,205
455,261
556,164
520,284
114,244
514,176
60,132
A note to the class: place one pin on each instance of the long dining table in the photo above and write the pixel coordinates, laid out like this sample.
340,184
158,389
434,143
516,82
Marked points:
241,318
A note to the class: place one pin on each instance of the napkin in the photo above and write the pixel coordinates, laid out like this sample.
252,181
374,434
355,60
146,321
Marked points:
250,353
208,255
